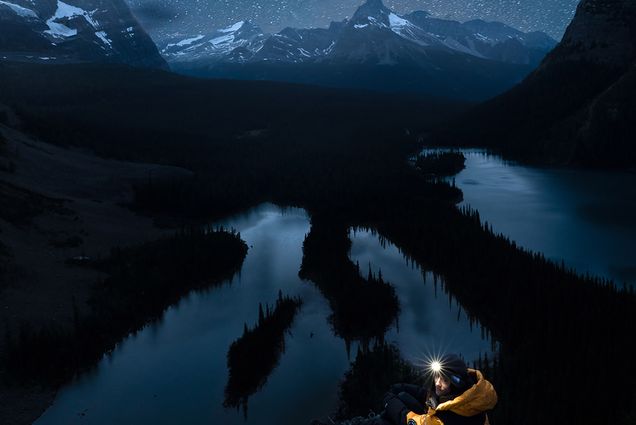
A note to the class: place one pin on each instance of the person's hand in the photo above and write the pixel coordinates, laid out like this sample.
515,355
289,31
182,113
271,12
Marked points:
395,410
387,397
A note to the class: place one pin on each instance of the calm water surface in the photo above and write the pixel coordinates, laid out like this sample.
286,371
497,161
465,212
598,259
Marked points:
174,371
586,218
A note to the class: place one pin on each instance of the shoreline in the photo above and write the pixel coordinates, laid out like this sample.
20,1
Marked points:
71,205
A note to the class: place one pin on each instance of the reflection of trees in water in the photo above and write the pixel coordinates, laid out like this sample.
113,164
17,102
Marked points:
362,309
557,331
253,357
552,326
143,280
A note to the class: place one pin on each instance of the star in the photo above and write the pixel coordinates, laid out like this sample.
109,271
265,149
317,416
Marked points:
165,17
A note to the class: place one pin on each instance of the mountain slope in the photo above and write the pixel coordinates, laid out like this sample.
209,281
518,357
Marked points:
578,106
215,44
487,40
376,49
74,31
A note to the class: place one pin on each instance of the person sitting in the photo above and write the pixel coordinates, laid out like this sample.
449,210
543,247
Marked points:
458,396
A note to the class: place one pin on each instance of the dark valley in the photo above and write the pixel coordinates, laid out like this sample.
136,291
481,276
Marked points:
223,224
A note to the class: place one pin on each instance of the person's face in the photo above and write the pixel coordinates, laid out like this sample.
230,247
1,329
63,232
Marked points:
442,385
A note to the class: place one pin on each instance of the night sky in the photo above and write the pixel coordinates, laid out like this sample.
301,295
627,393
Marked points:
193,16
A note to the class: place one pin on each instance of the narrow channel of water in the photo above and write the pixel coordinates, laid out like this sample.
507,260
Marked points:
430,322
175,370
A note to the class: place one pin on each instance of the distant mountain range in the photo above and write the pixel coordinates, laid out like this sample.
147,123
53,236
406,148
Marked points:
375,49
75,31
578,106
246,42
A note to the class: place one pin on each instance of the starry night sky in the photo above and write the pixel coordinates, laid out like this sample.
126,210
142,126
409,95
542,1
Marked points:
162,17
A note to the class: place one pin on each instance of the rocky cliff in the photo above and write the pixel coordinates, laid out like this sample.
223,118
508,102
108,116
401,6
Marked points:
578,106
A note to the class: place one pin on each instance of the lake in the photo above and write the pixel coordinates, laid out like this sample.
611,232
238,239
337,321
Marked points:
175,370
587,218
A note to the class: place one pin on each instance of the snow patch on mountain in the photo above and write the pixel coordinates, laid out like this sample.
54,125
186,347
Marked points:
102,36
485,39
64,12
187,41
19,10
397,23
224,39
59,30
375,22
233,28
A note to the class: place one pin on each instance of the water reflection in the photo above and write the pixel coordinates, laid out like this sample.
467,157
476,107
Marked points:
430,322
585,217
175,371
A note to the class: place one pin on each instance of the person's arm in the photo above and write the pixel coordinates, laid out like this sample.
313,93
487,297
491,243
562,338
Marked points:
417,391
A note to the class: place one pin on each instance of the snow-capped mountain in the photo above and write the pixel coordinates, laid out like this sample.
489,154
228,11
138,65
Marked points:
374,34
74,30
491,40
376,49
245,41
297,45
219,43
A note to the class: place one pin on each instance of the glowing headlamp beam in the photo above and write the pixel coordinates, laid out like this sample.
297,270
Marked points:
436,366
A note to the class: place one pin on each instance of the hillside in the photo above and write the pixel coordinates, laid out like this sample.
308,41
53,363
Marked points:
577,107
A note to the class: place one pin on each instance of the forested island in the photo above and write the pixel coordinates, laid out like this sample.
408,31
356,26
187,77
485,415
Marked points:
253,356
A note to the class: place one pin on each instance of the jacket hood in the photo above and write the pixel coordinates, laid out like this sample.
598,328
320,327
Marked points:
477,399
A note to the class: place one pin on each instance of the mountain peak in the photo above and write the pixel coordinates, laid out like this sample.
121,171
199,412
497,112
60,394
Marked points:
75,31
371,10
241,30
234,27
375,3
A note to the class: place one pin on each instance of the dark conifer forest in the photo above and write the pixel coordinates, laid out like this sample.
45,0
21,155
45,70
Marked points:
142,281
352,160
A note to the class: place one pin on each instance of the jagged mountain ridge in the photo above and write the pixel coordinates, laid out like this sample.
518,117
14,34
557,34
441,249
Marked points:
216,43
376,49
75,31
578,106
371,23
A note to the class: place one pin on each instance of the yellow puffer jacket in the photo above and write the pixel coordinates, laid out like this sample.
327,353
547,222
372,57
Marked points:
475,400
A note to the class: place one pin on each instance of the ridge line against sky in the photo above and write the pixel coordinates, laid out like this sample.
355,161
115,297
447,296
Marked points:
161,17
